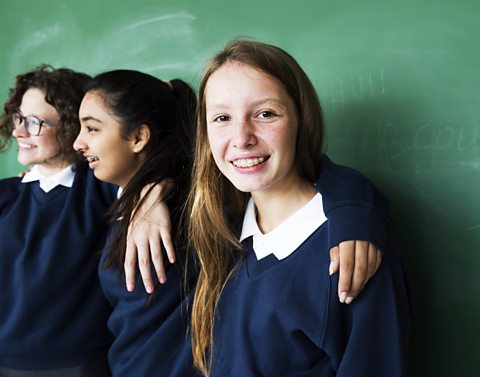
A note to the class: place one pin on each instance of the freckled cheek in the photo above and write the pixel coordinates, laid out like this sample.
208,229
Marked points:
282,144
218,145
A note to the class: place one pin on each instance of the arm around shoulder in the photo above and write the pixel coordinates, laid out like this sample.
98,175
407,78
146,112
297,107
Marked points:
355,208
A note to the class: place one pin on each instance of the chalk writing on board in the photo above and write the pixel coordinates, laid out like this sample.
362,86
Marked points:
462,138
430,160
433,137
359,87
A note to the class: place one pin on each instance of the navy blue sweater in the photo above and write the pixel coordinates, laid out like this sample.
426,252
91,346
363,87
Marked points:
283,319
52,310
355,209
151,336
150,332
53,316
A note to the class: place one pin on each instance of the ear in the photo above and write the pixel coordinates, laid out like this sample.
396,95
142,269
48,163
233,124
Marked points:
140,137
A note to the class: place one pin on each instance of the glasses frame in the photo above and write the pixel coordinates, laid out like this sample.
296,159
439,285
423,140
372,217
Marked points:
25,121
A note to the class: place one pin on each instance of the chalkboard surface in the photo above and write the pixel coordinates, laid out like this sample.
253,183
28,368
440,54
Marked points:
399,82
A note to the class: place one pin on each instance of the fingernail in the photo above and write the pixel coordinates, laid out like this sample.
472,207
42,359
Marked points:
330,268
172,260
343,297
130,287
163,280
348,300
149,288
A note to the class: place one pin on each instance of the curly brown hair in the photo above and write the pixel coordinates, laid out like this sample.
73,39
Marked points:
64,90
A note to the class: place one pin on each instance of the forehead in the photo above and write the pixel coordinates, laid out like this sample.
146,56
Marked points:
93,105
34,103
235,79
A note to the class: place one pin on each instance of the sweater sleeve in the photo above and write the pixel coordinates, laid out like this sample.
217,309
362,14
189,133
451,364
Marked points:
150,331
354,207
9,187
370,336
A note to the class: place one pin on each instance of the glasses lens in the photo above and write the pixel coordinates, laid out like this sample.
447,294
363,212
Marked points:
32,125
17,119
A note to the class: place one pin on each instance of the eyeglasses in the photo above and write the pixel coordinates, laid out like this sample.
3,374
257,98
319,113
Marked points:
32,123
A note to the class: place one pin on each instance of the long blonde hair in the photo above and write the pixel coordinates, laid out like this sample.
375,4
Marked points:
216,206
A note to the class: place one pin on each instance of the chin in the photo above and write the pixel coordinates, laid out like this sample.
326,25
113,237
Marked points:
25,162
247,188
99,176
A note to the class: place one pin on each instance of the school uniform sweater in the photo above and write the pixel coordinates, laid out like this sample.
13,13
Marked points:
282,317
355,208
150,331
52,311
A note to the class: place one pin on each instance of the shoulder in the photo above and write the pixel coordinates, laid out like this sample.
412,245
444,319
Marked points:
10,188
340,184
355,208
10,183
86,180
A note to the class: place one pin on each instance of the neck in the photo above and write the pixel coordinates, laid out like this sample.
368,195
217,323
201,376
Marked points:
123,182
274,208
49,168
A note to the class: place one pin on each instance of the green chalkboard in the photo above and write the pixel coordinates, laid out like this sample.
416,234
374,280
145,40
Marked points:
399,82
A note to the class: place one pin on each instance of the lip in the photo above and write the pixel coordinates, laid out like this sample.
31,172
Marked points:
93,161
25,146
250,163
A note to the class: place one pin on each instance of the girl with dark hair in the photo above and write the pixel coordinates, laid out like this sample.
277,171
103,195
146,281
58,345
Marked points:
53,315
137,130
261,307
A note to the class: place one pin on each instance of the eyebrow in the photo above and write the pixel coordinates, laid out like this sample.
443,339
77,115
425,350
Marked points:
255,103
89,118
34,115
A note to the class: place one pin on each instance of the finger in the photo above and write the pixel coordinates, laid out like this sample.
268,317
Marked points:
157,259
372,261
360,271
334,260
168,244
347,263
145,267
379,260
129,265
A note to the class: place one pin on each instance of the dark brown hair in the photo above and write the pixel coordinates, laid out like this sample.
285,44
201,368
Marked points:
168,109
63,89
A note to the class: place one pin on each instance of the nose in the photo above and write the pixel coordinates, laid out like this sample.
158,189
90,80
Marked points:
79,145
244,134
20,131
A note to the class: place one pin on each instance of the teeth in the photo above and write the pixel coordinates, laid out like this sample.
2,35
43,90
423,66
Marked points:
92,158
249,162
27,146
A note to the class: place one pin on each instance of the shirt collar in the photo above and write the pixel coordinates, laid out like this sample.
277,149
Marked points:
289,235
48,183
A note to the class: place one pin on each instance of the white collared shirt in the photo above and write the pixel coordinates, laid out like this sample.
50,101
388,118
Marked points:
48,183
289,235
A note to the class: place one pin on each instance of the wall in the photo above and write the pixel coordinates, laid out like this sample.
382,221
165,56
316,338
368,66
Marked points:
399,83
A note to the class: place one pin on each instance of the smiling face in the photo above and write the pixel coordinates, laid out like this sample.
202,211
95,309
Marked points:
42,150
112,157
252,127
